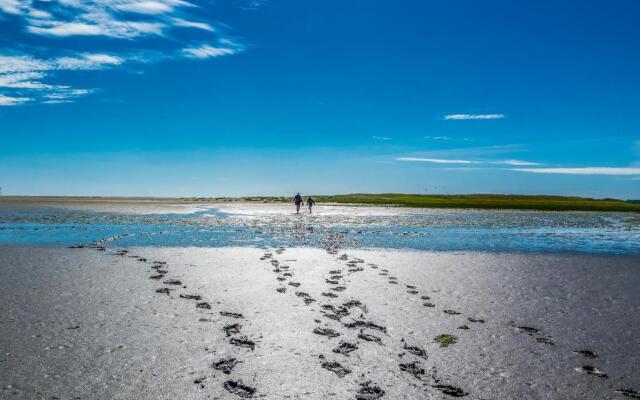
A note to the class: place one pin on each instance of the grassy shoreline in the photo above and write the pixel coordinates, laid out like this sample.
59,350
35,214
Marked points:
477,201
487,201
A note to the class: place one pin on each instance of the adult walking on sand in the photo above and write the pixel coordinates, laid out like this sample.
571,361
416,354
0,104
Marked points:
310,203
297,200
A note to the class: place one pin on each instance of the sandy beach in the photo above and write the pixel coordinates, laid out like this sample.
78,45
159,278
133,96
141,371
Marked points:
224,323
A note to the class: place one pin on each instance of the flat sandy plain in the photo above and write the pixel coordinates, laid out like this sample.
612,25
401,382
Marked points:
301,323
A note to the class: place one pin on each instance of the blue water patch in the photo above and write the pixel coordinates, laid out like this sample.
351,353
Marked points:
451,230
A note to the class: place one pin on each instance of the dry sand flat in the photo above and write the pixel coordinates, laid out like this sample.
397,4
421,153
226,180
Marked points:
303,323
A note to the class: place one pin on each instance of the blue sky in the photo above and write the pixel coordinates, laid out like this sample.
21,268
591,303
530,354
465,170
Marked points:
250,97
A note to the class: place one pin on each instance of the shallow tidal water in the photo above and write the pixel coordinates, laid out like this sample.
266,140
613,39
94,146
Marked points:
338,226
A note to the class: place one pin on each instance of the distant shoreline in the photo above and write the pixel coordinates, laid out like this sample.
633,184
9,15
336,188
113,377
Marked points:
472,201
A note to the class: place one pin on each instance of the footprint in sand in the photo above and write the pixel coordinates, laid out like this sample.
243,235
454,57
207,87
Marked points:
231,314
414,368
225,365
415,350
336,368
345,348
328,332
628,392
369,338
369,391
587,354
450,390
365,324
239,389
588,369
243,342
191,296
232,329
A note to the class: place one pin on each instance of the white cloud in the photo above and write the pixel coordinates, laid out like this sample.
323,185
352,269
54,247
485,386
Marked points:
515,162
24,80
88,61
12,101
436,160
207,51
183,23
380,138
145,7
10,6
438,137
66,29
473,116
114,29
10,64
583,171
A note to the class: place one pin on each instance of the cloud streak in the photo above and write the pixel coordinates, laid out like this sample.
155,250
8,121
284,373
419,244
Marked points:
460,117
459,161
619,171
436,160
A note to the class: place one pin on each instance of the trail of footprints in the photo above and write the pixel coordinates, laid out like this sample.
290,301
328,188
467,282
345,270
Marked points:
369,333
232,329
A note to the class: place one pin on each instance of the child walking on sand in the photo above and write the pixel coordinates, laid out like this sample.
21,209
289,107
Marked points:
310,203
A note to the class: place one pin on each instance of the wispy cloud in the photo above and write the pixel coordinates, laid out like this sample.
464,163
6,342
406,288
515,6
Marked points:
380,138
88,61
457,161
457,117
12,101
208,51
24,70
438,137
22,74
514,162
583,171
192,24
436,160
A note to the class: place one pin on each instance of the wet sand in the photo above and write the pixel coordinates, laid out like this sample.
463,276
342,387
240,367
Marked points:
198,323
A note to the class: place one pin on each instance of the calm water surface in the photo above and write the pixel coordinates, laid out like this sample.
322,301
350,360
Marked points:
261,226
